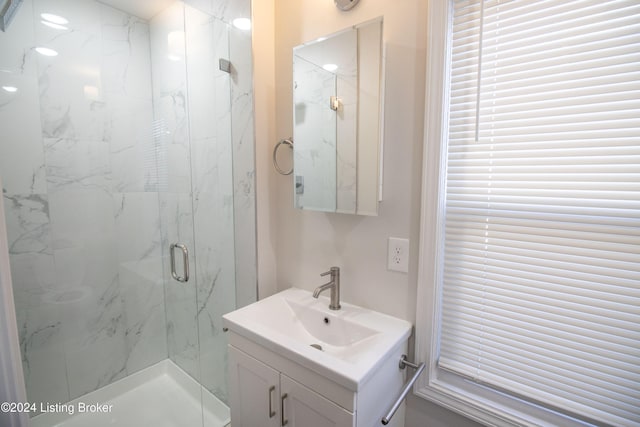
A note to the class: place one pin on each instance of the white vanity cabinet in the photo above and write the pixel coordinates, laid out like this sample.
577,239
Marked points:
294,362
264,397
303,407
255,391
268,390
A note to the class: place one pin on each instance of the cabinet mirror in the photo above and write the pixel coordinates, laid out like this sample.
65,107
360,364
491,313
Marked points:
337,96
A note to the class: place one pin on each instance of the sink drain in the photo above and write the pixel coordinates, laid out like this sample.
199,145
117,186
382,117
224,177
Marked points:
318,346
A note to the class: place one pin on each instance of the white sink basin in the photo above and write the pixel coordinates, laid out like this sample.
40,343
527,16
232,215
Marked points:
328,328
346,345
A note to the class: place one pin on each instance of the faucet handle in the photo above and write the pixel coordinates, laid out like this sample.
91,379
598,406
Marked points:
332,270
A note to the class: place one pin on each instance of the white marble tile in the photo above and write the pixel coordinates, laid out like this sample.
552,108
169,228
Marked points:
129,121
206,165
71,269
21,155
94,321
143,294
133,150
213,170
32,273
28,224
27,213
171,125
83,16
214,364
201,5
94,324
21,152
214,244
216,284
216,296
226,10
71,95
137,226
126,71
43,355
126,66
77,165
207,43
96,348
182,336
138,237
222,108
176,222
81,217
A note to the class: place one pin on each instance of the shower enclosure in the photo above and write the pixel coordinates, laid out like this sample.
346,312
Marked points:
123,132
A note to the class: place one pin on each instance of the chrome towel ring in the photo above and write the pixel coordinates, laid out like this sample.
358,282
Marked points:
288,142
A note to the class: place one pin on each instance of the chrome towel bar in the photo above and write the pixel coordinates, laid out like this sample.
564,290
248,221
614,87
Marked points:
403,394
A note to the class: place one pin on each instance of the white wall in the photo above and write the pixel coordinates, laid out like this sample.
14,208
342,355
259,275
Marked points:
296,246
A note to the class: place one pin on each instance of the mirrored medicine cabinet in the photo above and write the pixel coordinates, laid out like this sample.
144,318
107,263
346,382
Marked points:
337,96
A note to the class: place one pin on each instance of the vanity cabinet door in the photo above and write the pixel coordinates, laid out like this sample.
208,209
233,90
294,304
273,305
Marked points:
302,407
255,391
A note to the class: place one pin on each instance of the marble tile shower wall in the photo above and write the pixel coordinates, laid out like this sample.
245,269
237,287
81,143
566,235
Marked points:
93,200
82,207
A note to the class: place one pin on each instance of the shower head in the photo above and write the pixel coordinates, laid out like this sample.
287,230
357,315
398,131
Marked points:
7,12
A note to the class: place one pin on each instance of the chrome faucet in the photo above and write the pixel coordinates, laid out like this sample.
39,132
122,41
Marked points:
334,285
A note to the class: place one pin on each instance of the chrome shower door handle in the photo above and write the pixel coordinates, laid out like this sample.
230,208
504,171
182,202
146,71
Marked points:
185,261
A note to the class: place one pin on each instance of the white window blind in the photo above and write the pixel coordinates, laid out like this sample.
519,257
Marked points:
540,276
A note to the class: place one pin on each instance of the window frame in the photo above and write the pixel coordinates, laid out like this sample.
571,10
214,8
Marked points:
475,401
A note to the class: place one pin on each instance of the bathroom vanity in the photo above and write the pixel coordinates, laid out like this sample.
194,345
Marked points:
295,362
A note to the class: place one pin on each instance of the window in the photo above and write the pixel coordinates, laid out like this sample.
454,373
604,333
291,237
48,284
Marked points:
529,294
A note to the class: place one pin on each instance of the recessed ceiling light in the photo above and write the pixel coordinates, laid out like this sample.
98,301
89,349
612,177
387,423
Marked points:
242,23
10,89
46,51
330,67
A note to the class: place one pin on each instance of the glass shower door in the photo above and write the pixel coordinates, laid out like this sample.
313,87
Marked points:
192,127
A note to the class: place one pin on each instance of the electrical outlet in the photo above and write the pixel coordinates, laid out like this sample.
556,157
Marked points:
398,255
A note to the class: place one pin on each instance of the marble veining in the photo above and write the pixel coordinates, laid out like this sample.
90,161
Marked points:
28,224
35,338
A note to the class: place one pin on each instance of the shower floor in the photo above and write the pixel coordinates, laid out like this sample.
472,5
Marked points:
161,396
